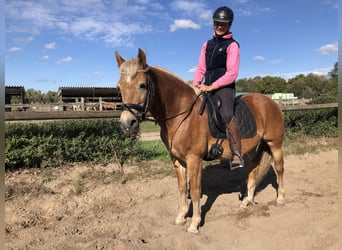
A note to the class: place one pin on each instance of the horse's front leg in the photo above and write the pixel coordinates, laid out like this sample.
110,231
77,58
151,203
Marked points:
182,187
195,177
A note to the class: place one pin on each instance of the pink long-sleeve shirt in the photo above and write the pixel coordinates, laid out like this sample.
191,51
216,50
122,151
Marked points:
232,65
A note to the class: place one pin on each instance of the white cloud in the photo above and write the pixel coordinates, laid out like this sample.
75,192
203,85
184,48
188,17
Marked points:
50,45
87,19
45,57
88,26
65,60
322,71
318,71
14,49
259,58
183,24
187,6
193,9
328,49
252,8
192,70
117,33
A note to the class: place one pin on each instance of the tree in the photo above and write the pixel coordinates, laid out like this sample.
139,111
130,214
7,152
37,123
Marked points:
33,96
271,84
331,88
249,85
297,85
334,72
36,96
246,85
50,97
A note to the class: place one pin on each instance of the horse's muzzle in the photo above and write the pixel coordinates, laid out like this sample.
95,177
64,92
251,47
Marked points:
129,123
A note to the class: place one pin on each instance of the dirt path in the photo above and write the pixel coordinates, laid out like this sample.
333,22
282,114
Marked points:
150,136
81,207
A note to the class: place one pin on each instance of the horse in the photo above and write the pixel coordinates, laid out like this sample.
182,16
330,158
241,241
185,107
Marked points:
175,106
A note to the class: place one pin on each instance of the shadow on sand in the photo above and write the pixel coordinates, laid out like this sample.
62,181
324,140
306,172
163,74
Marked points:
220,179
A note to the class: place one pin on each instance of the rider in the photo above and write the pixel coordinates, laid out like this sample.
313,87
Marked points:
218,66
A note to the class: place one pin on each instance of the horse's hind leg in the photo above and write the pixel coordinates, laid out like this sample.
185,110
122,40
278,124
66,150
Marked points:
182,187
279,168
255,176
251,184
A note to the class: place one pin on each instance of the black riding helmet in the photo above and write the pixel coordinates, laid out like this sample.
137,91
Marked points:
224,15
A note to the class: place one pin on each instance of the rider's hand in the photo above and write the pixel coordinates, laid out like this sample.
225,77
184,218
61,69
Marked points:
206,88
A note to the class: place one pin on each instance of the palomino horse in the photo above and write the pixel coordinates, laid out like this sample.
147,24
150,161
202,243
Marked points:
175,106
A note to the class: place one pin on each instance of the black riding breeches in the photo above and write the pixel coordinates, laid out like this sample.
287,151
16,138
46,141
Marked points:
226,96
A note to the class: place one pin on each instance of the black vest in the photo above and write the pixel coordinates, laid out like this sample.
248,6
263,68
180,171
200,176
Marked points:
216,59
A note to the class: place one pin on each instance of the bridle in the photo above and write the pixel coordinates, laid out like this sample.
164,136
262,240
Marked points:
140,111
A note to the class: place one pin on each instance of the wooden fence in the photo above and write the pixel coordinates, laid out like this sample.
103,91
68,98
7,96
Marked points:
55,115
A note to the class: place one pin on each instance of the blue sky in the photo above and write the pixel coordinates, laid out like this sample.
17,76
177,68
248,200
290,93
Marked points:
56,43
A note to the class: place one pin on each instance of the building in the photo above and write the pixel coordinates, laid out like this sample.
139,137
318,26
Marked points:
89,98
11,91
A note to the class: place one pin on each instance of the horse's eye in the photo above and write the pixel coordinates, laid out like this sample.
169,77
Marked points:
142,86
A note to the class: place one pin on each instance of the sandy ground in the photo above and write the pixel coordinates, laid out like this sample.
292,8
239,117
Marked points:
85,207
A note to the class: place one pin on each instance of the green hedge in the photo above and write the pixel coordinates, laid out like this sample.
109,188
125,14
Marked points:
315,123
102,141
54,143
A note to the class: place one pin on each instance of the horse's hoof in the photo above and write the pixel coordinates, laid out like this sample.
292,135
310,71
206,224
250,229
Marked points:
242,206
193,230
180,221
245,203
280,203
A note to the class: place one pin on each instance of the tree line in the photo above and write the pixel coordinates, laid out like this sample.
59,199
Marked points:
320,89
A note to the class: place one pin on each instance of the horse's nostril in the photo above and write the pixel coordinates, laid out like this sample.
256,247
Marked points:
134,123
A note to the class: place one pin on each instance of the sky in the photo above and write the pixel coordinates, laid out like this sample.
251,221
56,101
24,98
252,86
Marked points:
72,43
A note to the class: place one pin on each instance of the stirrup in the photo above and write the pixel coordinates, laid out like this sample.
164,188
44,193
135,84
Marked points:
236,165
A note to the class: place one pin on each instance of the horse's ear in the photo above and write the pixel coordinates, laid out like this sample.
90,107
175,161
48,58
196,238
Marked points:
119,59
142,58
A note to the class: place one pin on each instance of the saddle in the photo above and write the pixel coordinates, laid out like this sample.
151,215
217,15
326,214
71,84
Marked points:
245,118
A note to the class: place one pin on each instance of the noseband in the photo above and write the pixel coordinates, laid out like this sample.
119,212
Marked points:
140,111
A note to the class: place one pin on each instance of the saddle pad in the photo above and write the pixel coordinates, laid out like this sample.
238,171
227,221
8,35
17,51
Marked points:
244,116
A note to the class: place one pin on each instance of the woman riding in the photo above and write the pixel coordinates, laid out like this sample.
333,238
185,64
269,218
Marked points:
217,71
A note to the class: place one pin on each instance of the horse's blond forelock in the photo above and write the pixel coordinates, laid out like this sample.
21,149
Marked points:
129,68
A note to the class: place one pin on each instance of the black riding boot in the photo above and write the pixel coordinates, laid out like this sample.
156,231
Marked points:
234,140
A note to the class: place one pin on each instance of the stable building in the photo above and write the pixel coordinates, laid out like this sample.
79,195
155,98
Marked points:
89,98
11,91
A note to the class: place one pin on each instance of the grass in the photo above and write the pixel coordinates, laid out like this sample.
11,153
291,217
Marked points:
301,144
48,176
147,127
155,150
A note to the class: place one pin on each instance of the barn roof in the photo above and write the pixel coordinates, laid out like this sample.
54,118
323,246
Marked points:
88,92
14,91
